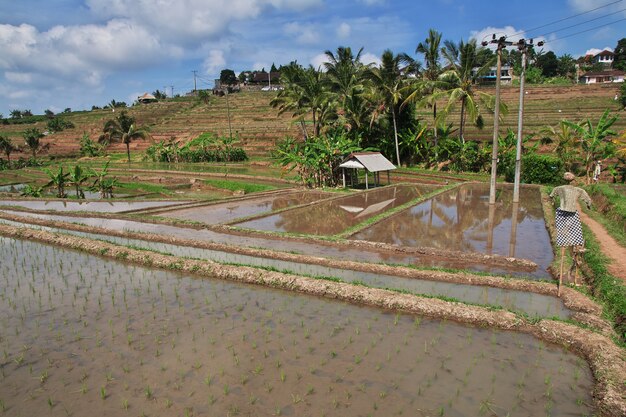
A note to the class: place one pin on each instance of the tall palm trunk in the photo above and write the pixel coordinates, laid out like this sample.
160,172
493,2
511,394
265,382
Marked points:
395,133
128,151
462,124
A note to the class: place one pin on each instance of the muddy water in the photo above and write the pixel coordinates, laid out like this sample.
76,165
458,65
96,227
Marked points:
461,220
97,206
229,211
12,188
335,216
520,301
93,337
308,248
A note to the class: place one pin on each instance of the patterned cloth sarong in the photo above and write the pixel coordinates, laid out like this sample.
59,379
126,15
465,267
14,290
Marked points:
569,232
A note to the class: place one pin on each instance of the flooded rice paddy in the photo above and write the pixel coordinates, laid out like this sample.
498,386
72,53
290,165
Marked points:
95,206
87,336
520,301
335,216
461,219
358,254
231,210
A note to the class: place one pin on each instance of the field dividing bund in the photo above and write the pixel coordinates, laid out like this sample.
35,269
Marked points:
535,304
127,337
358,251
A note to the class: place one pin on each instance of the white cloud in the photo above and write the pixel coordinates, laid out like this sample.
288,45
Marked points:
369,58
190,21
18,77
318,61
303,34
594,51
373,2
512,34
343,30
214,62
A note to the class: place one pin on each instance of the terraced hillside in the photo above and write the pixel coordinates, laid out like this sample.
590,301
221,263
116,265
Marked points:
259,127
546,106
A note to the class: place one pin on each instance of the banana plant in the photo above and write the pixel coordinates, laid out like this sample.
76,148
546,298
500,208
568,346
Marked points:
78,176
58,180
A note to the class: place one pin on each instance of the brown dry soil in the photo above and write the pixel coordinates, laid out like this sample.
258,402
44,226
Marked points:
609,246
606,360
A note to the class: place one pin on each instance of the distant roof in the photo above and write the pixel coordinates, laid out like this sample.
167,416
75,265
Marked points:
146,97
606,73
372,161
264,76
606,52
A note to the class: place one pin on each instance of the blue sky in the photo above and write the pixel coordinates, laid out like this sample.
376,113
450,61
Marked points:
78,53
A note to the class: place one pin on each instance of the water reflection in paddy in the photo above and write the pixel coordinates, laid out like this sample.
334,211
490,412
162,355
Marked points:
521,301
335,216
91,336
231,210
461,219
96,206
358,254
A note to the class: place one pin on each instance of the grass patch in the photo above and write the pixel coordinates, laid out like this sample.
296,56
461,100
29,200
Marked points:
610,290
611,204
239,185
145,187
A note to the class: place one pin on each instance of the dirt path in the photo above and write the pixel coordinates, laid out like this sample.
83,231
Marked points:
609,246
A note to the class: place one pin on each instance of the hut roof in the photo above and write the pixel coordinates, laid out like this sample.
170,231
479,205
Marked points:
372,161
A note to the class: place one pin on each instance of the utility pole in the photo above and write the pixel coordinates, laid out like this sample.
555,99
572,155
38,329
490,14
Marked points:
523,46
194,80
172,87
501,44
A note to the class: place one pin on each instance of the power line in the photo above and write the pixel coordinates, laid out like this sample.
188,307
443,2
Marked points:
583,23
566,18
587,30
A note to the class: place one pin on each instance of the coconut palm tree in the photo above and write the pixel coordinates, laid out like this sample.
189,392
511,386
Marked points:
459,81
123,129
7,147
430,48
305,92
389,82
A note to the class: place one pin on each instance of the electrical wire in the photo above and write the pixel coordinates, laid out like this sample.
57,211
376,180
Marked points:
587,30
582,23
566,18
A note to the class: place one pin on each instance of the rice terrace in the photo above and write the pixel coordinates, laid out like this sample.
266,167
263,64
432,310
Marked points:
439,233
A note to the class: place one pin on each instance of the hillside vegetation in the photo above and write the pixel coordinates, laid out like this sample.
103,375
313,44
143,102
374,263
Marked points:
259,127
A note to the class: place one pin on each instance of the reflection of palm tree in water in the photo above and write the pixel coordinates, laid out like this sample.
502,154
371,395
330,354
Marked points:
455,220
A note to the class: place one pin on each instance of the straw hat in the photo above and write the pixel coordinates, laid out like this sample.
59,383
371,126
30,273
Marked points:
569,177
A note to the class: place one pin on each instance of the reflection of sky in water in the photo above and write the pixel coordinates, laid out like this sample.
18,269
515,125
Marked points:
231,210
295,246
459,220
335,216
97,206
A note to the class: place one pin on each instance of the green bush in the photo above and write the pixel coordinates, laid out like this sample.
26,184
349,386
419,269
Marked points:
623,95
90,148
59,124
536,169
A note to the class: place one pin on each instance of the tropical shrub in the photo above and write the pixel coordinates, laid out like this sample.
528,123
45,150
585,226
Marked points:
90,148
58,124
540,169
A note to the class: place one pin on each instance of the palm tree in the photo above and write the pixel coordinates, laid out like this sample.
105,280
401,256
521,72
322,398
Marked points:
430,49
7,147
123,129
389,83
32,138
563,135
305,92
459,81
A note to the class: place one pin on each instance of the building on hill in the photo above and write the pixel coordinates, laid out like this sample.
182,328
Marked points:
605,57
489,77
147,98
598,77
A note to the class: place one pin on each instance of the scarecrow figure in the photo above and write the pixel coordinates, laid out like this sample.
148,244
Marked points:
568,228
597,171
